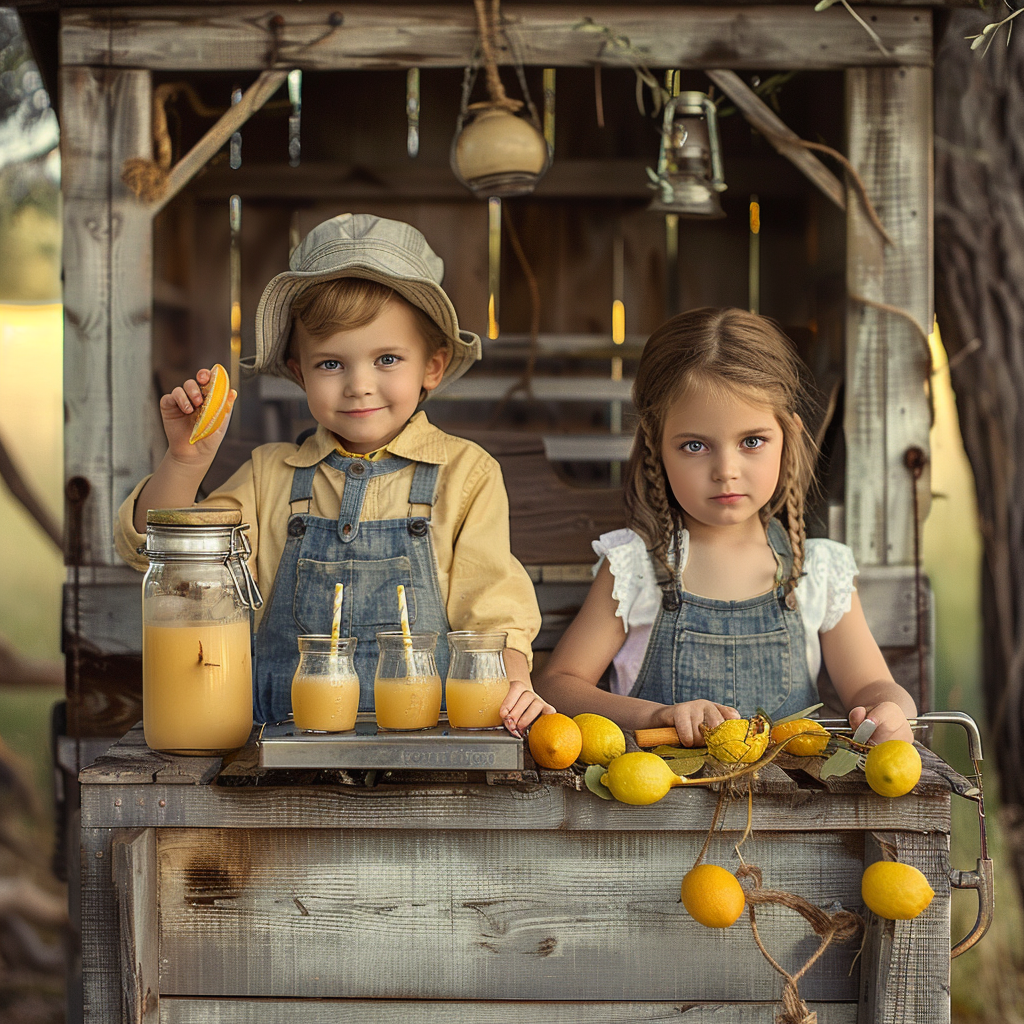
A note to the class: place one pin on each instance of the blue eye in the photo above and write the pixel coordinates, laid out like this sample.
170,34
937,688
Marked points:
692,446
753,443
330,364
388,360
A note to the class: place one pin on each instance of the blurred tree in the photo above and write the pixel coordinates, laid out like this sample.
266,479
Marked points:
979,235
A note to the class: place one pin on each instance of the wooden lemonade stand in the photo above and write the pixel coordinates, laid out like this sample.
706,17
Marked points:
216,890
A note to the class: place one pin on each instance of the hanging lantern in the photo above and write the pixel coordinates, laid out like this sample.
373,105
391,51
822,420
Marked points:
499,148
689,175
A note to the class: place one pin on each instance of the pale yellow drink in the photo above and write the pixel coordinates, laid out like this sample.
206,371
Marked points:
413,702
474,703
325,703
196,686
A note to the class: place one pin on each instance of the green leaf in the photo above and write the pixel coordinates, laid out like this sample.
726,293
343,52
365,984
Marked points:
798,715
842,762
682,760
592,778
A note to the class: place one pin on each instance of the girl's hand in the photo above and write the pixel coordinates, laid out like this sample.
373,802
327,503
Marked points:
690,715
176,411
890,721
521,707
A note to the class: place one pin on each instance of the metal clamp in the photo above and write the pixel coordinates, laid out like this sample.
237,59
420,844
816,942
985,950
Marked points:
982,878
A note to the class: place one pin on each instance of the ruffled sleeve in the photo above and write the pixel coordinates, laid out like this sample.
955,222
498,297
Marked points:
825,592
633,586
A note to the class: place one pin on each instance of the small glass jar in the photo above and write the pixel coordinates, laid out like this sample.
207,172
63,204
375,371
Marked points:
325,687
407,687
197,596
477,682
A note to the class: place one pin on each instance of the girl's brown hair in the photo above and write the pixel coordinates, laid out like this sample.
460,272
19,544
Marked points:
724,351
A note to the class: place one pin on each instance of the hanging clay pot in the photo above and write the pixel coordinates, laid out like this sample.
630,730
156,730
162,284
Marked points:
499,154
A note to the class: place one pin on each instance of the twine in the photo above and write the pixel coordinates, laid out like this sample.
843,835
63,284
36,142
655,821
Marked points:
840,926
488,44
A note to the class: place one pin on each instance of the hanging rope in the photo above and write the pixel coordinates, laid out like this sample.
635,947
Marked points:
488,26
838,927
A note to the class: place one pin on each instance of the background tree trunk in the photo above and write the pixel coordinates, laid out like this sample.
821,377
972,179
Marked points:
979,289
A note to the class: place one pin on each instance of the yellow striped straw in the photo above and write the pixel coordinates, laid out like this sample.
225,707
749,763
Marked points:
403,611
339,589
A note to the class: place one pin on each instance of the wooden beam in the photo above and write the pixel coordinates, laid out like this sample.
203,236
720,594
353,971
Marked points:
238,38
889,129
236,115
777,132
133,852
107,258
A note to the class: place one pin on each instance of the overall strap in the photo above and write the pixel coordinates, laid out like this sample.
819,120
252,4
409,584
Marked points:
302,486
424,485
358,473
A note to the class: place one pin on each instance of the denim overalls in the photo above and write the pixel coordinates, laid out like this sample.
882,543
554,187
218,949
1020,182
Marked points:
369,558
746,654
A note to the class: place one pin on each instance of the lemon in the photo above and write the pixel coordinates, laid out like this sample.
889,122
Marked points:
602,739
892,768
639,778
555,741
895,891
803,746
738,740
712,896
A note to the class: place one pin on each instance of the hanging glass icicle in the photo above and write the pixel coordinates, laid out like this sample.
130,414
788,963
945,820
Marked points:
549,110
755,255
235,145
412,110
671,264
295,118
493,265
235,210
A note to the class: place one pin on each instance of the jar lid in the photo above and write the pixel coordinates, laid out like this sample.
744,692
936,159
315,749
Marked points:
194,516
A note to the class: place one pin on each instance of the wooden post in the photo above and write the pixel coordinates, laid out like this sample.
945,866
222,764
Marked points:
889,129
105,118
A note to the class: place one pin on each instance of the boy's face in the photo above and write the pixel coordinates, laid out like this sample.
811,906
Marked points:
364,384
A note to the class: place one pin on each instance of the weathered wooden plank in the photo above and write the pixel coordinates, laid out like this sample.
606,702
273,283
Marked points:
179,1010
239,38
101,977
135,892
105,118
481,806
905,975
109,615
587,447
889,128
482,914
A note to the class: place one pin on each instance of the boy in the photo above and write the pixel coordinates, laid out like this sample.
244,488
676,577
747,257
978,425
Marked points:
377,496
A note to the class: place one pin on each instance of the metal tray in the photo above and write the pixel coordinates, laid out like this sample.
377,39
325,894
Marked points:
282,745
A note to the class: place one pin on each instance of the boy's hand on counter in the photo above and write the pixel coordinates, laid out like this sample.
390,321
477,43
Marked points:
890,721
521,707
690,715
176,411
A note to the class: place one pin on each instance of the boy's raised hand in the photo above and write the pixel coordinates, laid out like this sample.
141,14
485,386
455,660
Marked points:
176,411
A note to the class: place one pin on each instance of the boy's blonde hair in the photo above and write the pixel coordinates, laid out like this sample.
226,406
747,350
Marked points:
718,351
348,303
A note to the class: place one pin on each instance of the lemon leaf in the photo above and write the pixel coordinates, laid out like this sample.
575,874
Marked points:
797,716
668,752
592,778
686,765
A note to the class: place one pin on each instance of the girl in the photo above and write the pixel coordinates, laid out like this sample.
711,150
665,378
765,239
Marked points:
709,603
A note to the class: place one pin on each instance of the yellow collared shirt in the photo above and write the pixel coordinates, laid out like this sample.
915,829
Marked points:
484,586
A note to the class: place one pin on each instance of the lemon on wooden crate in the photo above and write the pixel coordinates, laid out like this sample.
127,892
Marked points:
640,778
555,741
603,740
712,896
895,891
802,745
738,740
893,768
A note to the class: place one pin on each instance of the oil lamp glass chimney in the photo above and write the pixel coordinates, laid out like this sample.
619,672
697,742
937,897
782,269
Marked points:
689,175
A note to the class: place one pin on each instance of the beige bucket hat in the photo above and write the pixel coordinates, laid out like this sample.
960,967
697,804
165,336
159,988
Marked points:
360,245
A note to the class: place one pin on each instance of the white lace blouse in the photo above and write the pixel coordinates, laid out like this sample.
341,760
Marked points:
823,595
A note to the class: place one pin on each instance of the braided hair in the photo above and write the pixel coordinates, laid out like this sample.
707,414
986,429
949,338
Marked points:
728,351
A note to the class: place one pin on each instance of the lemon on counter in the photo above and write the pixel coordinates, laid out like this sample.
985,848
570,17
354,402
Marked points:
640,778
712,896
895,891
555,741
803,745
893,768
603,740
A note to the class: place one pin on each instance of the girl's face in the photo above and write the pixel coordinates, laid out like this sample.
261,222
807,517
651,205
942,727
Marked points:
722,455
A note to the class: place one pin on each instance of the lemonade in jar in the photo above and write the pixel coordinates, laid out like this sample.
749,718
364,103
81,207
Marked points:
477,682
197,596
407,687
325,687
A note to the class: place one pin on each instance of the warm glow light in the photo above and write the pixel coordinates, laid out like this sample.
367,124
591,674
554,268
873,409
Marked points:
236,317
492,322
618,322
755,218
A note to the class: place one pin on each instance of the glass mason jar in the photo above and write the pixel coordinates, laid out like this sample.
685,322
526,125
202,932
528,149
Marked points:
407,688
325,687
196,635
477,682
